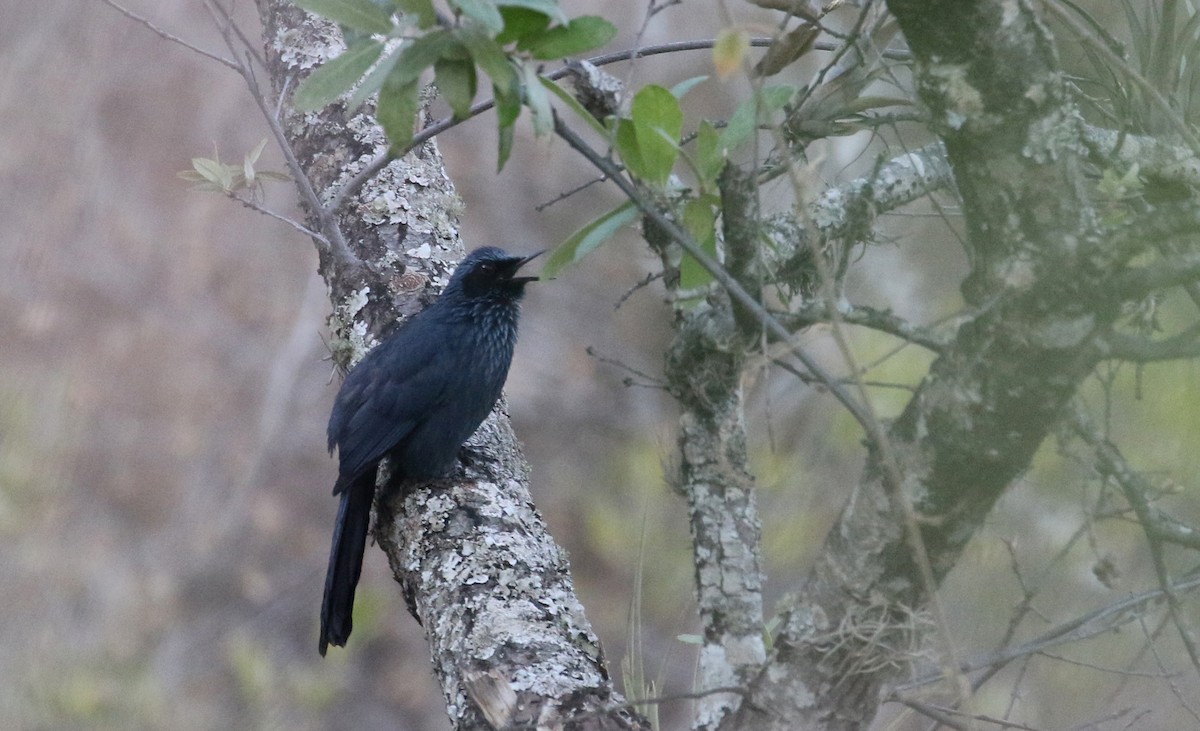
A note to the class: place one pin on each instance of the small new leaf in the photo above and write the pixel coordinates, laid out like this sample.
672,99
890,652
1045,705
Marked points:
710,154
700,220
730,50
361,15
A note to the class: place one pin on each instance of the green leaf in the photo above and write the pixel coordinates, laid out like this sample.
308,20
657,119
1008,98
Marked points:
361,15
250,159
581,34
421,10
574,104
374,79
700,220
548,8
494,62
521,23
749,113
397,111
657,122
336,76
214,171
483,12
505,147
683,87
710,154
538,101
420,55
405,64
627,146
588,238
457,83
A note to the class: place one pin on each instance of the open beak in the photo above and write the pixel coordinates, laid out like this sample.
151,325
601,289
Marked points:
522,262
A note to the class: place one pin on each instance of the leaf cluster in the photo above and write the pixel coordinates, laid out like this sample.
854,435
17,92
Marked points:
392,43
212,175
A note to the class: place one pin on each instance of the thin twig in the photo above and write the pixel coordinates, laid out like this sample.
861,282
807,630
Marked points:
336,240
279,217
724,278
168,36
351,186
1097,622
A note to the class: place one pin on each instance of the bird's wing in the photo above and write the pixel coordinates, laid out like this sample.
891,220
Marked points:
383,399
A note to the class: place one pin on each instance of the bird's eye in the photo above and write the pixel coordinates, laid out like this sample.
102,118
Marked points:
487,267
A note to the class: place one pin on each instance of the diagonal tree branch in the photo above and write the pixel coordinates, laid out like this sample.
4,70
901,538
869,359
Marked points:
509,640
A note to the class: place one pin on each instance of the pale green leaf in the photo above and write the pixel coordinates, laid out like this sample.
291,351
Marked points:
586,239
549,8
574,104
483,12
538,101
581,34
397,111
361,15
658,123
336,76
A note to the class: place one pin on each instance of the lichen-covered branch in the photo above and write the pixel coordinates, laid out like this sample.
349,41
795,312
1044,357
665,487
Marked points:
988,75
509,640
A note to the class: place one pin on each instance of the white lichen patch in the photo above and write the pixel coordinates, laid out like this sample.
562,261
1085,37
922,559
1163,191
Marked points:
962,100
313,43
1064,333
1053,134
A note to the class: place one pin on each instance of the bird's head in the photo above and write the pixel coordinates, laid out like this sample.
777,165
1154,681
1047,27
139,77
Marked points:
490,273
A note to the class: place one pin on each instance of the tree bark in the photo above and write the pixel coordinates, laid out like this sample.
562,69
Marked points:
509,640
988,74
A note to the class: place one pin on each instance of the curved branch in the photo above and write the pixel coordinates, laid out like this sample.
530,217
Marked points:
736,291
1120,346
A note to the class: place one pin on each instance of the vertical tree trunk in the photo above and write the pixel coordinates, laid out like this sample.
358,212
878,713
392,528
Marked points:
509,640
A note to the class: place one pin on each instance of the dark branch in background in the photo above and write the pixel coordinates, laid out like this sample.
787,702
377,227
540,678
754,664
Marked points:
1185,345
1137,491
1137,283
811,313
1097,622
736,291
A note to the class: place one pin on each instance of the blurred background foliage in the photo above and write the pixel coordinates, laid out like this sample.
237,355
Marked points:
164,505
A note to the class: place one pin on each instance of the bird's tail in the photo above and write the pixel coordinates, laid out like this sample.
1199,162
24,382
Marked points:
345,560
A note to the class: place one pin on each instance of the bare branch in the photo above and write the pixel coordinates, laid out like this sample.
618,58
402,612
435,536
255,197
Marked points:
736,291
1097,622
1121,346
170,37
884,321
279,217
1169,272
1153,156
334,240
